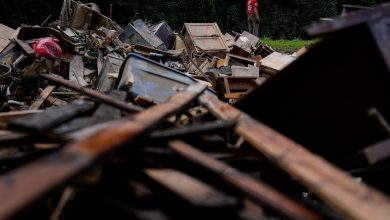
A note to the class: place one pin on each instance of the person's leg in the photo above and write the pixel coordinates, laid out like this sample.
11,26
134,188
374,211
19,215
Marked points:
256,28
250,24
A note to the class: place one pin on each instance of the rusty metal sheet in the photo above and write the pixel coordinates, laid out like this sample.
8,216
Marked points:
151,80
205,36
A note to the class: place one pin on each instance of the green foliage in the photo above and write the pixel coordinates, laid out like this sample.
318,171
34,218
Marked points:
287,46
280,18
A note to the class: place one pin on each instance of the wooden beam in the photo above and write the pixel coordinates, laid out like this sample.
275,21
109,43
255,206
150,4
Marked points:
94,94
377,152
235,95
255,190
338,189
7,116
26,48
22,187
42,98
226,84
192,190
52,101
52,117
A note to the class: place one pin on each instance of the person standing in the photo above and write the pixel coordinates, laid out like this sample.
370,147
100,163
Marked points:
252,12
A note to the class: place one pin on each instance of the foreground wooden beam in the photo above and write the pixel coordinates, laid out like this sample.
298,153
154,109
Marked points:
20,188
192,190
338,189
7,116
255,190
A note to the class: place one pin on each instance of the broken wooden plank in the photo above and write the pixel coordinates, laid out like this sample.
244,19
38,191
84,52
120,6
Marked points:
377,152
201,73
23,186
235,95
7,116
52,101
94,94
255,190
332,185
26,48
65,93
42,98
51,117
66,198
105,81
245,72
102,114
5,34
241,60
226,84
192,190
276,61
10,137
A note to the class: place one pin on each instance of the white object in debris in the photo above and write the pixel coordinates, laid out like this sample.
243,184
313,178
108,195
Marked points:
276,61
244,39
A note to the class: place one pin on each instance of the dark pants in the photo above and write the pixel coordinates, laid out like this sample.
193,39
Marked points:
253,24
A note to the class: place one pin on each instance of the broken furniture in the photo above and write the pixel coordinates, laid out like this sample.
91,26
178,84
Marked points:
139,33
245,44
205,37
152,81
274,63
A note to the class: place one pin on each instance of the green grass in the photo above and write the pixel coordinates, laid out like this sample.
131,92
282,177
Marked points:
287,46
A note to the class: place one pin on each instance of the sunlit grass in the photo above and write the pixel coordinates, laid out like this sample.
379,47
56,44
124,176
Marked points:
287,46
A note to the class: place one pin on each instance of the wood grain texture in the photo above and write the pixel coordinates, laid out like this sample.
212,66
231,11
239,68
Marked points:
338,189
255,190
192,190
21,187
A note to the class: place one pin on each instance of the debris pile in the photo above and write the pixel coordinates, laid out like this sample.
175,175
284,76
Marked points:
103,121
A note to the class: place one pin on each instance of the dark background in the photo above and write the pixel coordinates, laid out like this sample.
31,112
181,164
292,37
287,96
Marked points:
280,18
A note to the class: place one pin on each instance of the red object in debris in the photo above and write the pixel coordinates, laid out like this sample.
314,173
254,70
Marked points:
47,47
